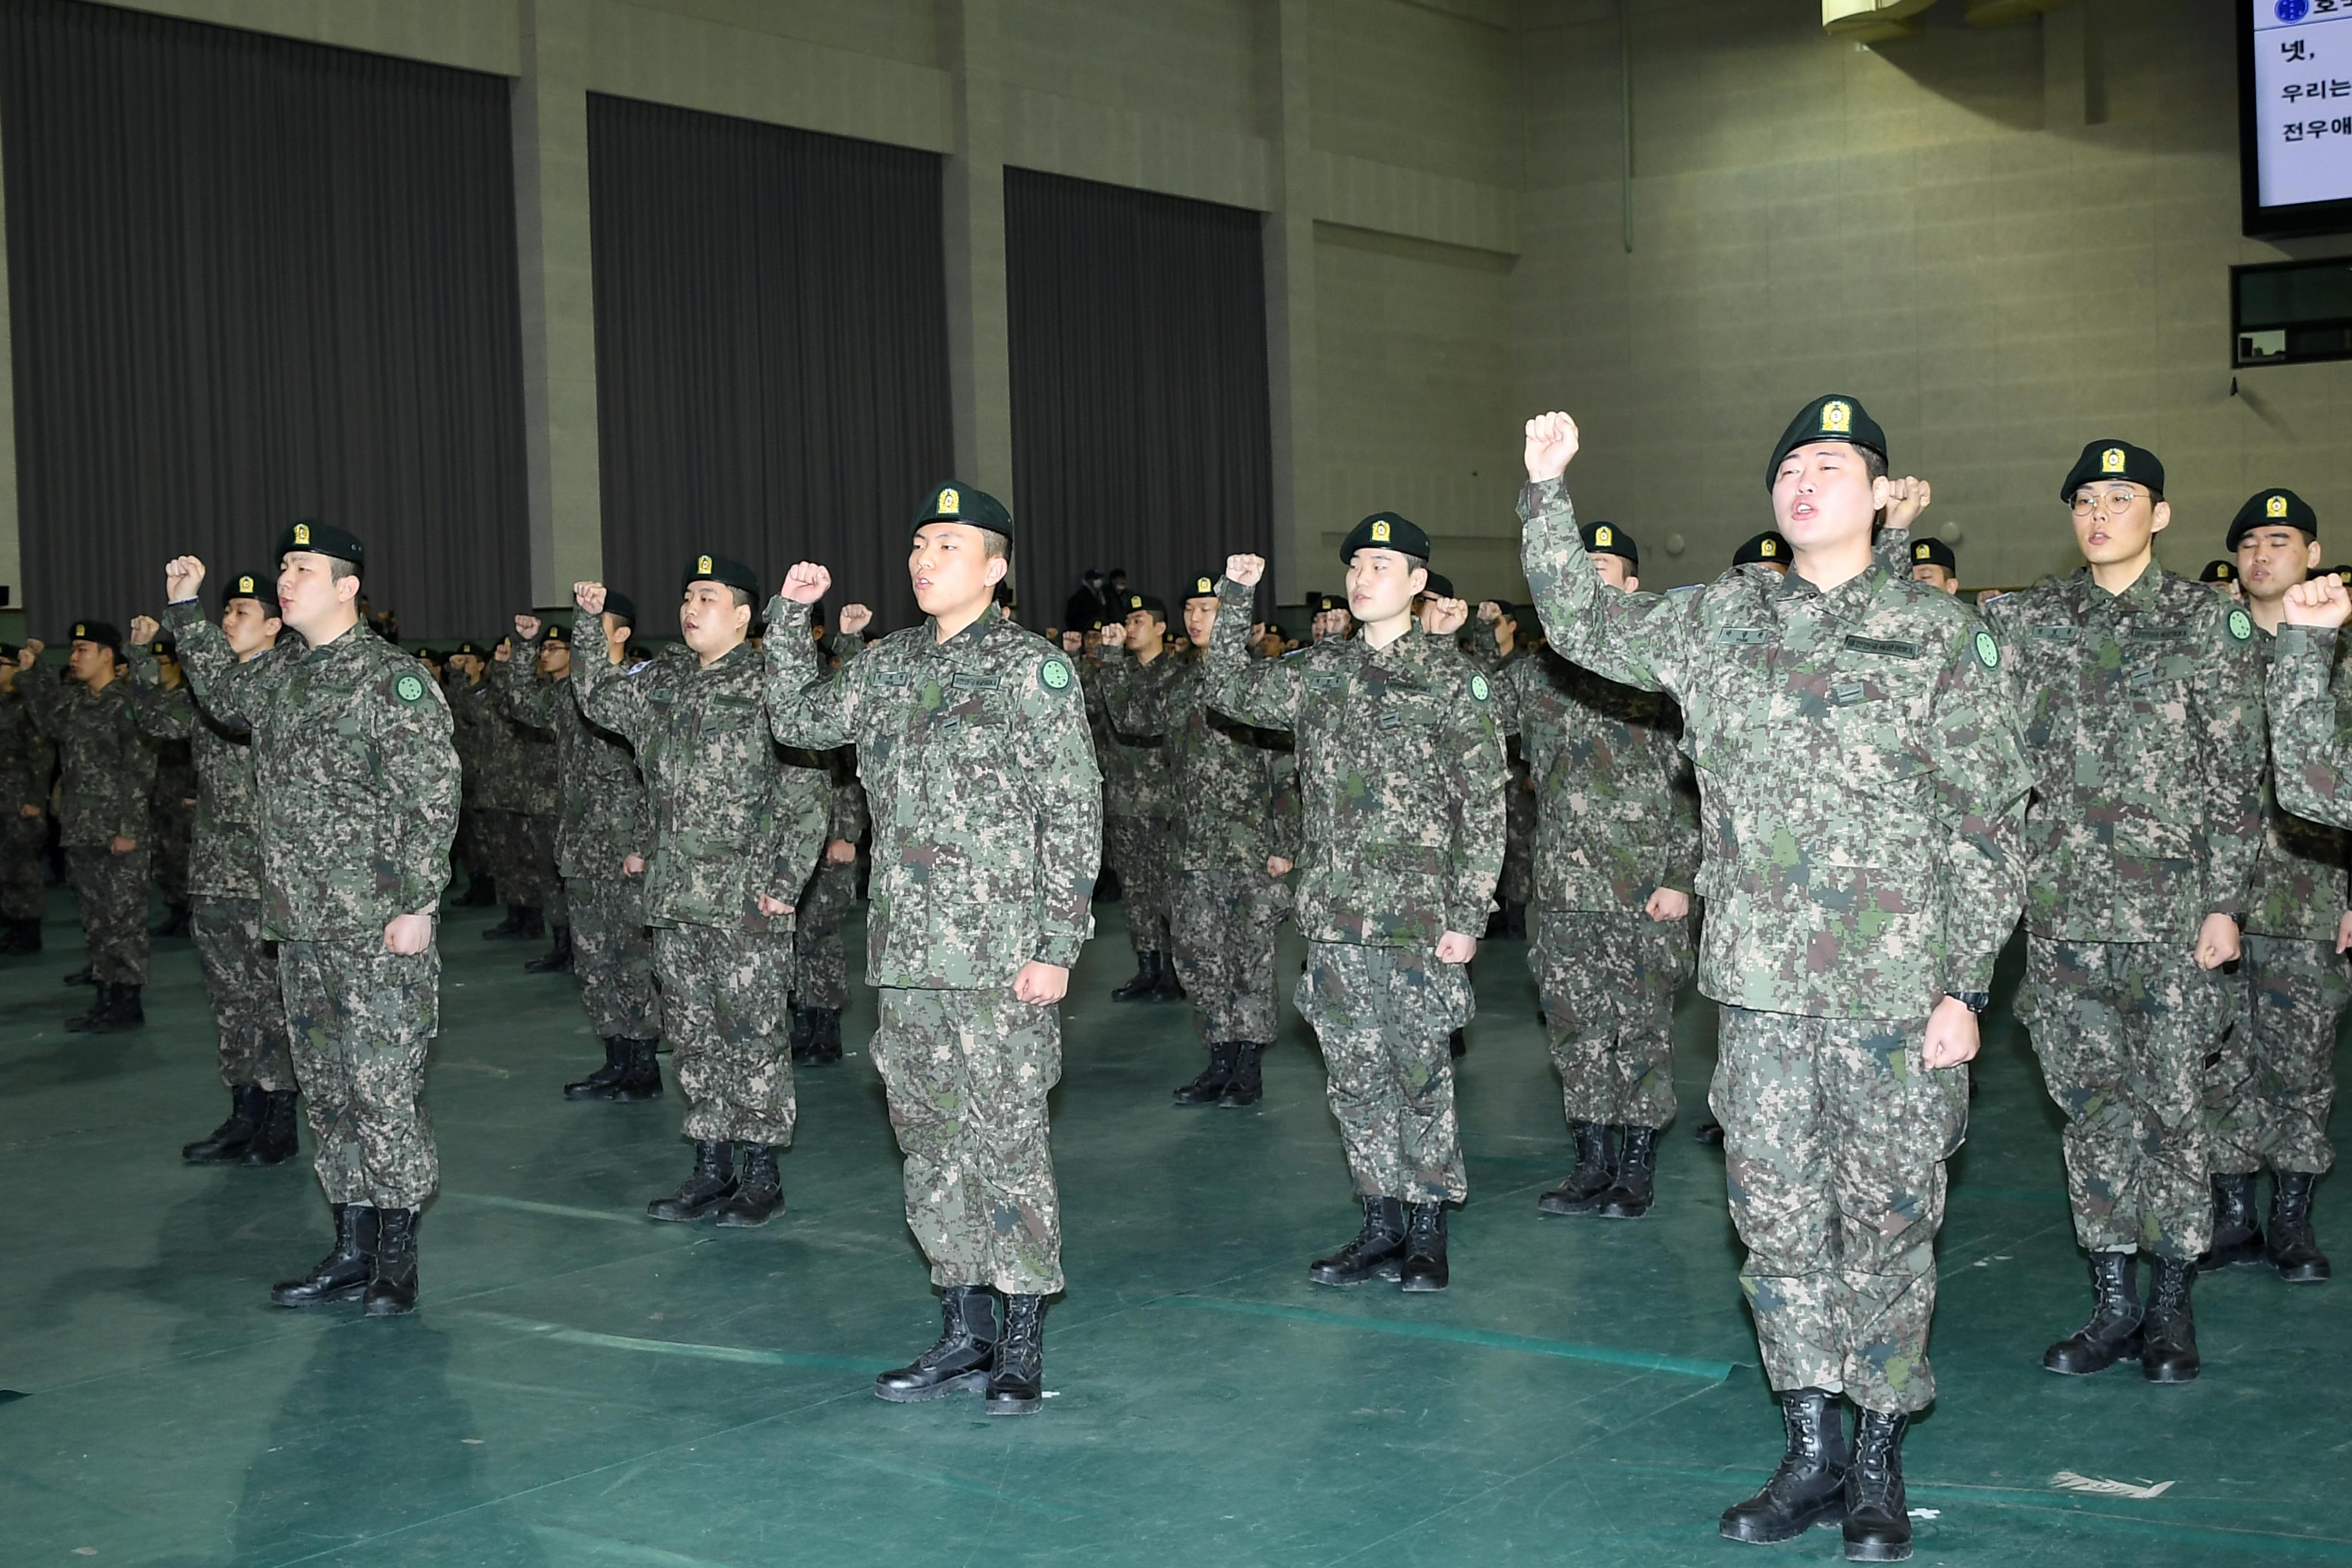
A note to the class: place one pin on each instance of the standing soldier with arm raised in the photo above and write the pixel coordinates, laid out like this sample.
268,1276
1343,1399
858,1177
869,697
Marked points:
1861,790
987,810
357,789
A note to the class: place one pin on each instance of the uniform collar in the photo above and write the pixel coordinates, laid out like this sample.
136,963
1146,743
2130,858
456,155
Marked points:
1853,593
2145,590
967,643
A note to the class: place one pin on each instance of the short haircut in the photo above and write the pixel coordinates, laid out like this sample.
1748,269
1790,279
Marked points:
1873,463
998,546
628,621
338,568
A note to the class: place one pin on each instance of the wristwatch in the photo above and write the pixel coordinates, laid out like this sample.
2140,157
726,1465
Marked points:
1974,1001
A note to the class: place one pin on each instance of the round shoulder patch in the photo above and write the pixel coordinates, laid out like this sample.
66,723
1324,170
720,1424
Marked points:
1055,675
2241,625
1987,651
409,689
1478,687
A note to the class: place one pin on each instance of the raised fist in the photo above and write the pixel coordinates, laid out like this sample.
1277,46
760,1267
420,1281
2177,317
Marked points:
526,627
1074,642
26,655
855,619
1114,634
1489,611
1552,446
2320,601
503,652
806,582
183,575
1447,616
589,596
1907,498
143,629
1245,570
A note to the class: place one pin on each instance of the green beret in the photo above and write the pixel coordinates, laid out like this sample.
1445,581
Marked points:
1935,552
469,648
2342,574
1766,546
555,631
102,633
1203,585
261,588
165,647
1608,539
953,501
1835,417
2219,572
323,539
1131,603
1440,586
621,604
2274,508
1386,531
1326,602
722,569
2113,460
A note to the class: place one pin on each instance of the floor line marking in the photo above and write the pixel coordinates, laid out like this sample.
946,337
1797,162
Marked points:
740,1354
1484,1339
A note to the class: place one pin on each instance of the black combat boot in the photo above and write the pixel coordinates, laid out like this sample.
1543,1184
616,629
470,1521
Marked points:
712,1183
2168,1351
598,1085
556,959
510,926
1247,1086
1378,1251
961,1359
2237,1234
175,921
803,1038
1808,1486
2114,1331
1172,986
1629,1197
1709,1133
1145,986
1424,1255
2295,1249
1209,1087
278,1139
117,1008
12,937
641,1077
1514,919
1877,1513
1592,1176
81,977
1458,1044
1016,1383
824,1036
392,1285
225,1144
343,1274
534,925
28,935
759,1194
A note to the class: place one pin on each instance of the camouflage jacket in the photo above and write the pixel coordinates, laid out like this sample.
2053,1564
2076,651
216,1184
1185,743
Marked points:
980,776
225,855
1235,800
603,820
1861,782
526,772
470,703
107,769
1399,777
2299,887
1617,809
2311,742
731,821
28,763
1137,776
355,770
2144,732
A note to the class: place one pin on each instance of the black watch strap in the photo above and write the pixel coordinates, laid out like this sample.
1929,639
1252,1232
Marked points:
1974,1001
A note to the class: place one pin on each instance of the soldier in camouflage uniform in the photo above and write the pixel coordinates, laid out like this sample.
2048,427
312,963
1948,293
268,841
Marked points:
604,838
172,807
1401,790
466,681
523,779
1233,840
224,887
820,981
1860,793
735,834
1617,855
28,764
358,786
1495,647
2143,727
2269,1088
1137,801
107,776
987,828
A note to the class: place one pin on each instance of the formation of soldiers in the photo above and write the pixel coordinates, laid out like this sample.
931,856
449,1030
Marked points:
1823,784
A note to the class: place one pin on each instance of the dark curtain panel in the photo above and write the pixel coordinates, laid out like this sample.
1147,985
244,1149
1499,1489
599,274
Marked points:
772,351
253,280
1140,432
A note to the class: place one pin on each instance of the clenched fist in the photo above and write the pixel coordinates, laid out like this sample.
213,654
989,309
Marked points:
1245,570
589,596
805,583
1552,446
183,575
144,630
1907,498
1114,634
2321,601
855,619
526,627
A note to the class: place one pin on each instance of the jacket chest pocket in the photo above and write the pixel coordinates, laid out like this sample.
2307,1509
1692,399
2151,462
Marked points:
728,733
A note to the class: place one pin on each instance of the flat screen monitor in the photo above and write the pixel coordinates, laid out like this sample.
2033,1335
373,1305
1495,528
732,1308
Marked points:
2294,116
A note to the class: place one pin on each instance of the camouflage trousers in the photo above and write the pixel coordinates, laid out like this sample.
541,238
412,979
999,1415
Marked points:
968,1073
113,891
241,979
612,956
23,895
2122,1029
1834,1139
173,826
722,990
1517,882
1608,979
1223,927
820,960
1384,1017
519,849
362,1020
2269,1087
468,847
1137,847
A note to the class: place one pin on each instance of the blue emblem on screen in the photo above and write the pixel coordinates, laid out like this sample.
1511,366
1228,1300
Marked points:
2294,10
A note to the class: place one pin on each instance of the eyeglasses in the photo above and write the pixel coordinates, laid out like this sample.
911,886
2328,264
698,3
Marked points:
2115,498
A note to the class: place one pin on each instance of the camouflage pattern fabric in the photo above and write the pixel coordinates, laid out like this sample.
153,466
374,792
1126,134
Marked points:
2122,1030
1136,848
1835,1138
225,845
2311,744
966,1074
820,973
2298,887
28,764
113,891
722,990
1232,804
603,819
360,1020
1608,979
24,887
539,887
106,768
241,978
1516,884
172,817
1223,935
503,838
612,956
1384,1017
2270,1086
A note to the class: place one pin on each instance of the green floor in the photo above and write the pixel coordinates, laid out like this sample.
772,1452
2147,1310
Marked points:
583,1388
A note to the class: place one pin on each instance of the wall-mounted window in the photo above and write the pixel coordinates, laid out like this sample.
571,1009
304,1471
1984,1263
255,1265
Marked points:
2291,313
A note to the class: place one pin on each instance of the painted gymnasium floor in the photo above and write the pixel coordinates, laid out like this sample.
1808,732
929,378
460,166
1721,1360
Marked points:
586,1387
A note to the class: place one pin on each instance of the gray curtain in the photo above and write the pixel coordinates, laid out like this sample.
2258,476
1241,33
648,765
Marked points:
1141,436
252,279
772,349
